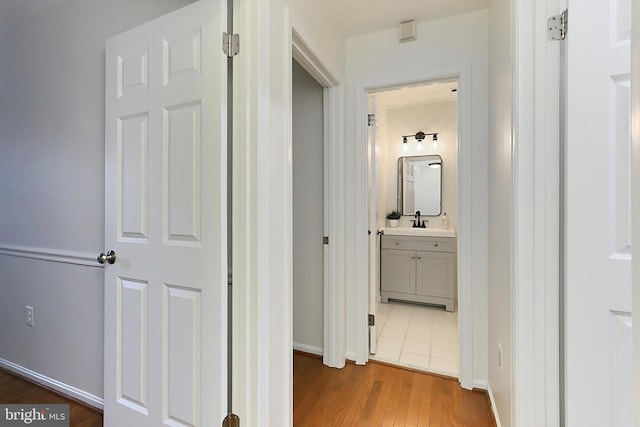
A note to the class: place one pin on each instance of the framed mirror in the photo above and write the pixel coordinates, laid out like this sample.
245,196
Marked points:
420,185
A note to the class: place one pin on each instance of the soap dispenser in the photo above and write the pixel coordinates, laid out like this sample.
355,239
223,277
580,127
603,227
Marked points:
444,221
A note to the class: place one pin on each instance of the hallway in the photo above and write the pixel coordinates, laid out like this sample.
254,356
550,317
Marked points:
378,394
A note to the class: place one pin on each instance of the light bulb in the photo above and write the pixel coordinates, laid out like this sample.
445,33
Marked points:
434,144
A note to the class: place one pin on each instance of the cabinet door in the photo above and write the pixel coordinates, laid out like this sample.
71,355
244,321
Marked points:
435,274
398,271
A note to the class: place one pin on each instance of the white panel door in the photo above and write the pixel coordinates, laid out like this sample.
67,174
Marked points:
166,295
598,244
374,289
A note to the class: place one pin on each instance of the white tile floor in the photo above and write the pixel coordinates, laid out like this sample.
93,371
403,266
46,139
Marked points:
418,336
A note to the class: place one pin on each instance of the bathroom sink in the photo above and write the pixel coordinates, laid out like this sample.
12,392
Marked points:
429,232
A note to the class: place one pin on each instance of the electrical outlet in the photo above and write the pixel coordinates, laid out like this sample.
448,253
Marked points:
500,359
29,318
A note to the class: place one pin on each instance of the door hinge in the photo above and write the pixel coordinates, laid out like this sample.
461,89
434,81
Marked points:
371,119
372,320
325,240
557,26
230,44
231,420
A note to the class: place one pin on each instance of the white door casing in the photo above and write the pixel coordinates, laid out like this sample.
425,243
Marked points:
165,172
635,197
464,250
598,227
372,221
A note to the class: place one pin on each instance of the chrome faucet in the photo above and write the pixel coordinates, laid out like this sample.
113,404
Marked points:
416,221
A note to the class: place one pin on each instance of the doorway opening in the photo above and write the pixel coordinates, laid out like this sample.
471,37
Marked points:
413,171
329,205
308,211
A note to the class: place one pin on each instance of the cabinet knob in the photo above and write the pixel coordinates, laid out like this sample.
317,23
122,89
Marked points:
413,257
397,242
419,257
435,243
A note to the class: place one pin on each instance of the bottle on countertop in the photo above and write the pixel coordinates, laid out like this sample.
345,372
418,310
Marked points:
444,221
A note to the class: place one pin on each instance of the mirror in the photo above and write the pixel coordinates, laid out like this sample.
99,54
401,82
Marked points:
420,185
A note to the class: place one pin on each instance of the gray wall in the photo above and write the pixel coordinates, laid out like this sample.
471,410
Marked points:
308,192
52,180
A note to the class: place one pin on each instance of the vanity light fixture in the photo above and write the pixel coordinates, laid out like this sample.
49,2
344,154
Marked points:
419,136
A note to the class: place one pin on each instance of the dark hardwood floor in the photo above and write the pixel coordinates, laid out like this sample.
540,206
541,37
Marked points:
14,389
381,395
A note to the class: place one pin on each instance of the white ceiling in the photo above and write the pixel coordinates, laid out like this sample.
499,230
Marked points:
352,17
357,17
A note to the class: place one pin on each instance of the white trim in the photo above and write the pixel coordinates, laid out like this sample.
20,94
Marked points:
481,384
635,200
251,378
334,319
334,324
494,408
311,349
53,255
67,390
535,212
464,249
304,54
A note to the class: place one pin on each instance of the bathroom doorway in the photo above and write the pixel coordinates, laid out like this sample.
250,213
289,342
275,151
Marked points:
414,122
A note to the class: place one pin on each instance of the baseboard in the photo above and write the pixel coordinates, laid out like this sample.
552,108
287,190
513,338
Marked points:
307,349
60,387
494,408
481,385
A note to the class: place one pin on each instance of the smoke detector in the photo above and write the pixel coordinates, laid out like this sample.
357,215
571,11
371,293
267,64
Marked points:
407,31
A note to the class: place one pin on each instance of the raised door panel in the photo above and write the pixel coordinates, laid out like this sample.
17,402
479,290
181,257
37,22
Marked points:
165,217
435,272
398,271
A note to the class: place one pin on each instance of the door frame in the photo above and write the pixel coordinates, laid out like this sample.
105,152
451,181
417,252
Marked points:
262,331
463,234
334,337
535,212
635,199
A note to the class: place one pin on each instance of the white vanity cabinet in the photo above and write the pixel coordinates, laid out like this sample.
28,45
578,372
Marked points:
418,268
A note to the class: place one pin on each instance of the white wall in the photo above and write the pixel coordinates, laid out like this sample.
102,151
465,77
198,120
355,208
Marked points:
395,122
52,180
262,172
315,25
500,202
308,193
454,42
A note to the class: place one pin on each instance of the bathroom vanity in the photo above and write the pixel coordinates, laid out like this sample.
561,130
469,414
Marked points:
418,265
